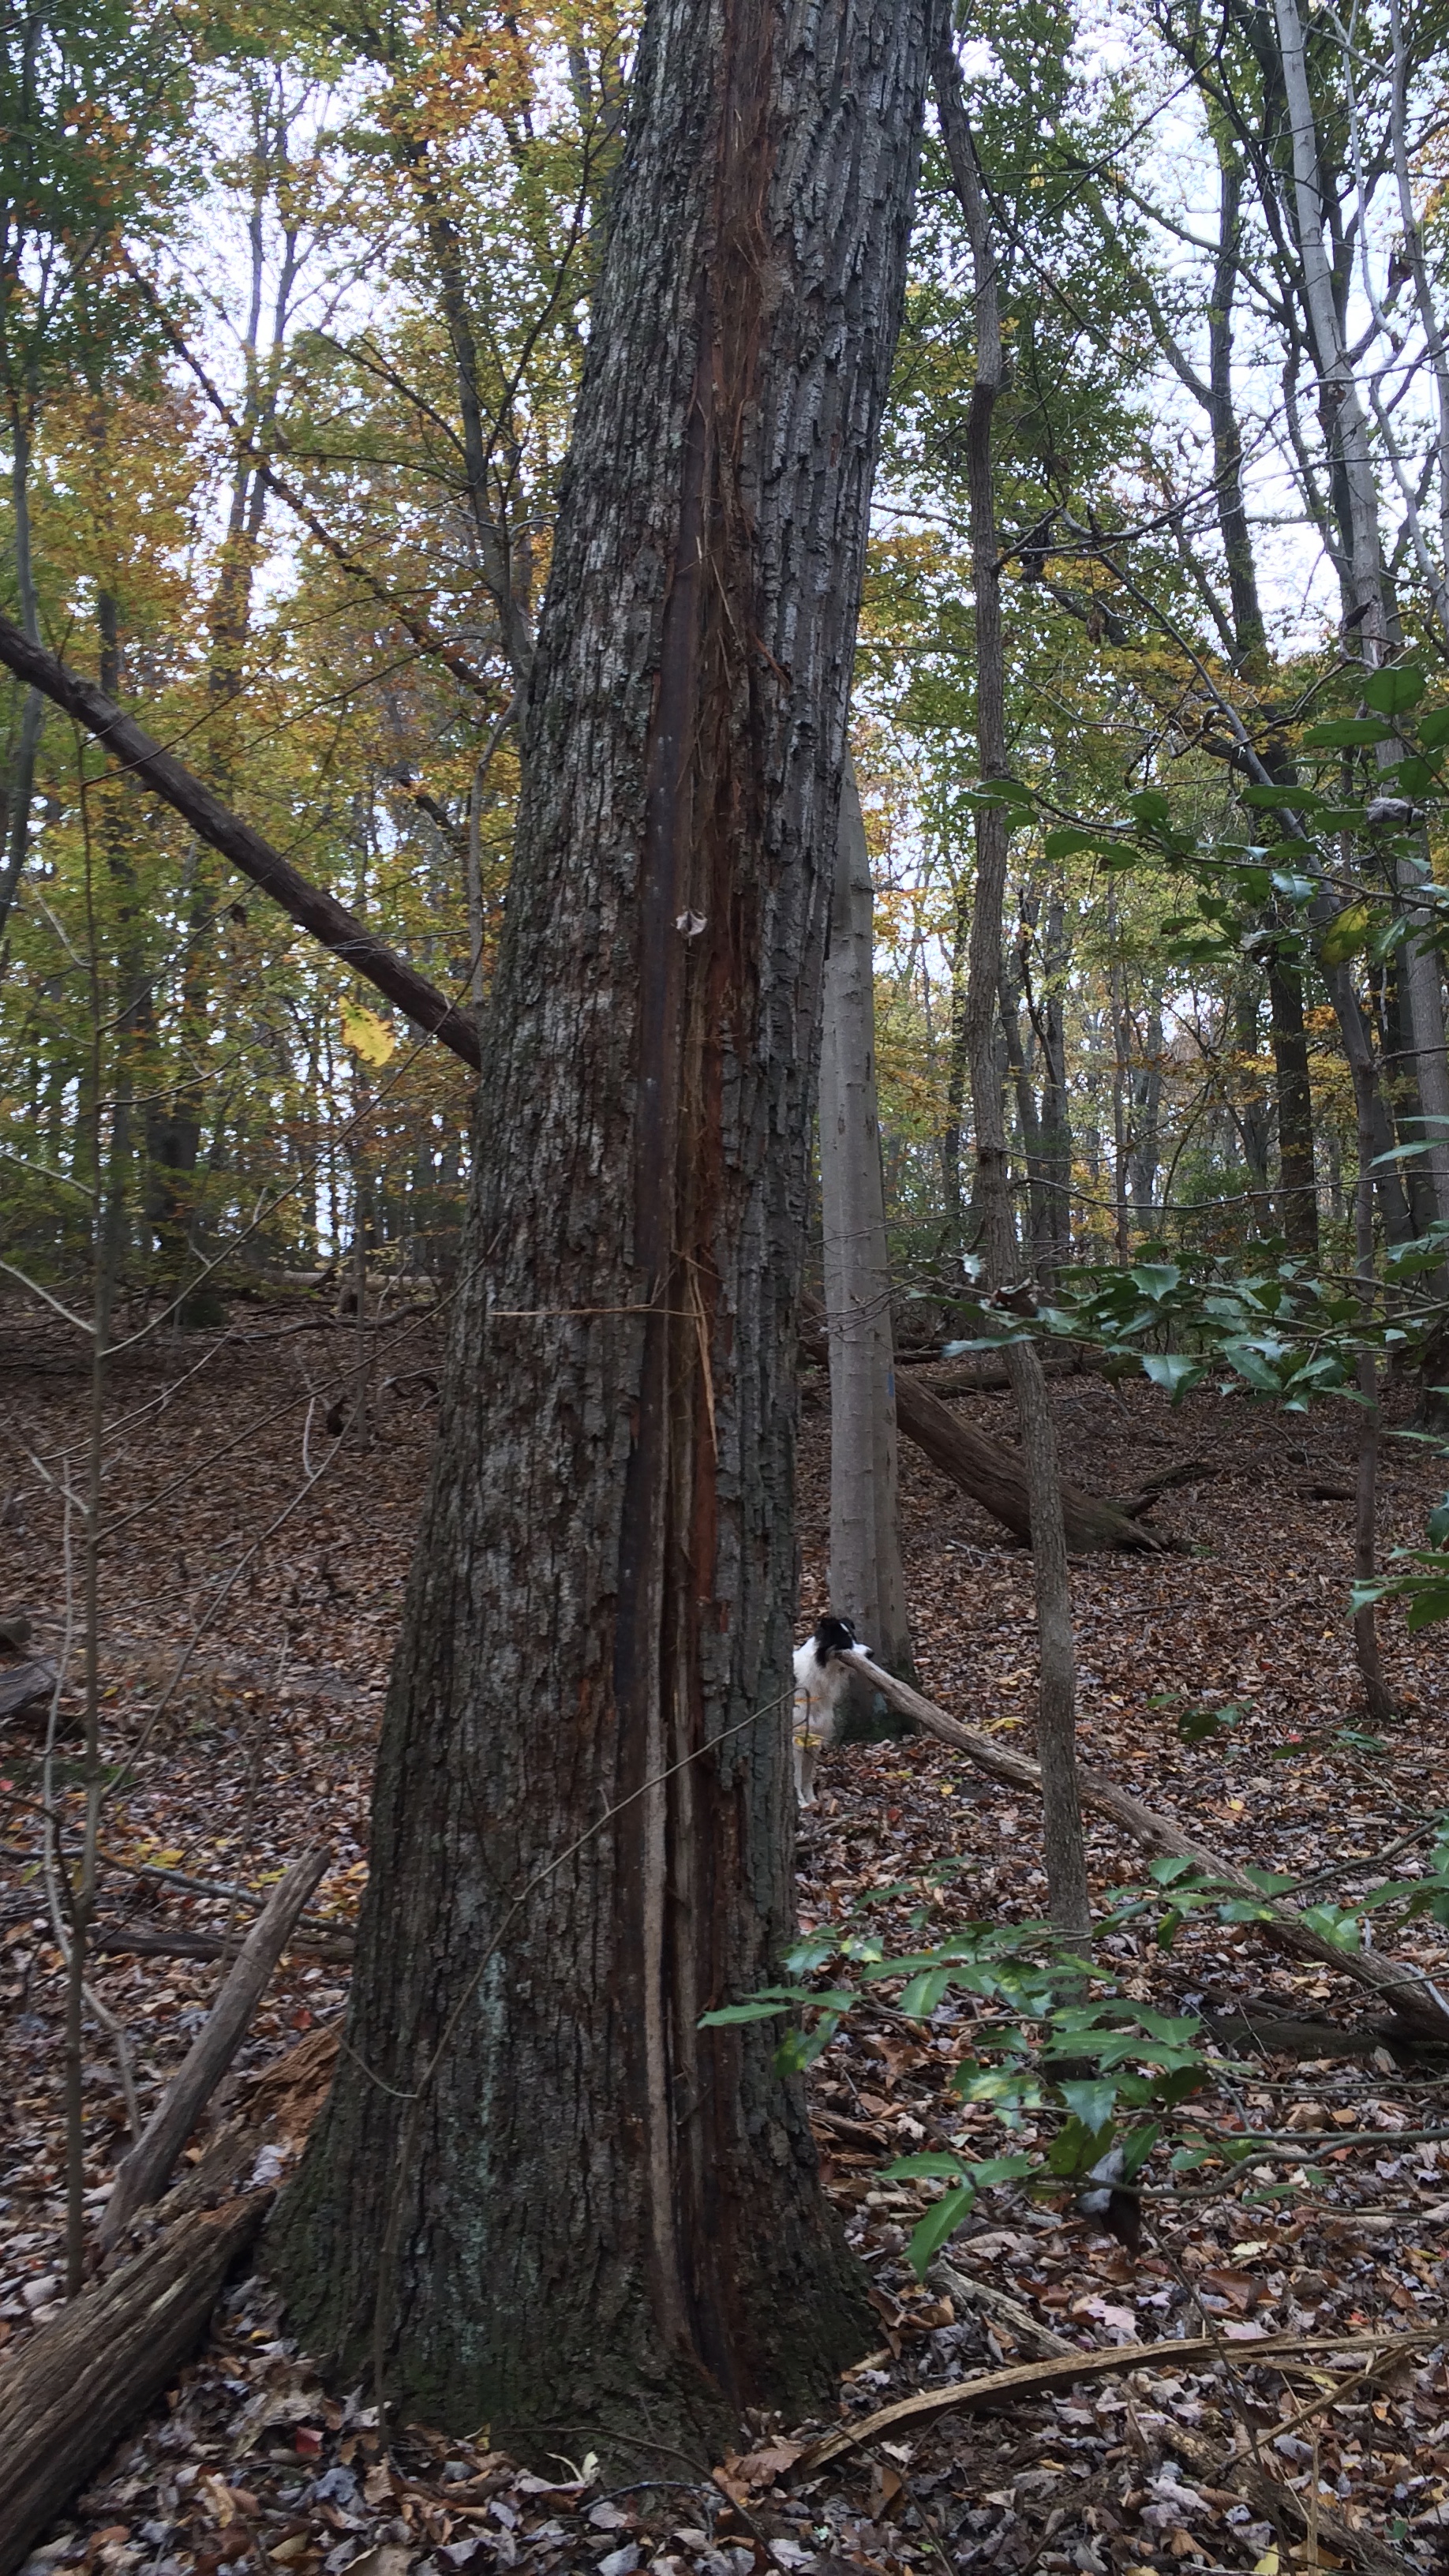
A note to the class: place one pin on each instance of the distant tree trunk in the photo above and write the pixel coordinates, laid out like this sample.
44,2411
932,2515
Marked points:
540,2194
1056,1110
1040,1224
1057,1709
1297,1173
866,1581
1146,1120
1252,1111
20,786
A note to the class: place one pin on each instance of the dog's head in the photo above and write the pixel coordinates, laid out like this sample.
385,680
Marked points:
833,1637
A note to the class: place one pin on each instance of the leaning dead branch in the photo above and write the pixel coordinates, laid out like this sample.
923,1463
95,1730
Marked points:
142,2176
1413,1997
1024,2378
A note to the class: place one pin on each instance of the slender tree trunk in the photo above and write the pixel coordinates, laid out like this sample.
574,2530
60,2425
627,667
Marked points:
1365,1622
21,784
1056,1113
1057,1712
1297,1171
866,1581
1147,1110
541,2195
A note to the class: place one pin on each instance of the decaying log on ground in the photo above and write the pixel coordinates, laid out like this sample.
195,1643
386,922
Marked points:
993,1477
142,2175
72,2392
24,1685
996,1478
69,2395
188,1941
1412,1997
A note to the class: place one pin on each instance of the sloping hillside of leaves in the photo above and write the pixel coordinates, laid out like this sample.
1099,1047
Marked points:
1216,1682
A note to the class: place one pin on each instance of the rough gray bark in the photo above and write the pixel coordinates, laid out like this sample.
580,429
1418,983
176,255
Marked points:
1057,1706
867,1584
566,2209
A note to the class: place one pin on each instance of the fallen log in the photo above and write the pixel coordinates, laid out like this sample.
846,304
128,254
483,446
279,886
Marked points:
22,1684
142,2175
68,2396
996,1478
993,1477
161,1941
1413,1997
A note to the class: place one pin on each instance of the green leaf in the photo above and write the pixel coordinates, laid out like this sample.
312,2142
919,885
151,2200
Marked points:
1172,1370
728,2015
1393,692
1344,731
1067,840
1433,729
1269,797
1149,806
938,2226
936,2168
1293,889
1076,2148
1001,2169
1090,2098
920,1997
1156,1279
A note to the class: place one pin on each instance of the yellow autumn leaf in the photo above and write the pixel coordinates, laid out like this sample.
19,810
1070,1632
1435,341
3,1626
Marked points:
366,1034
1346,934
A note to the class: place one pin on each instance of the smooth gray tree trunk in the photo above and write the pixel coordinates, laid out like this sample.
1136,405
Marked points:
867,1584
1057,1707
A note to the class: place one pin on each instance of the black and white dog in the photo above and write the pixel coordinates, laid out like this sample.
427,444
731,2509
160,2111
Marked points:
821,1686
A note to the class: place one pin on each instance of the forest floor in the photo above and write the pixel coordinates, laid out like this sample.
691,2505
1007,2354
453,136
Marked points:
265,1744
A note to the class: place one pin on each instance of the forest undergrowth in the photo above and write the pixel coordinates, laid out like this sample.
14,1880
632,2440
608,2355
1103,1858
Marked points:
265,1746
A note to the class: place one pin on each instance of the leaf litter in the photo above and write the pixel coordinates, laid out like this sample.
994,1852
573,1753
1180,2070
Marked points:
1341,2458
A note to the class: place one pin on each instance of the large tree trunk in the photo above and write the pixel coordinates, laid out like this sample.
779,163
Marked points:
571,2213
866,1581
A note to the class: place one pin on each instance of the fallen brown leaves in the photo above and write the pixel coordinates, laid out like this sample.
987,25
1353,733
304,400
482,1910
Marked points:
1190,2460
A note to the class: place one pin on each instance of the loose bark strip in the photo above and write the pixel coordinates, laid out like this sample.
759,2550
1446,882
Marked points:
995,2303
1412,1996
307,905
70,2394
996,1478
142,2176
1024,2378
